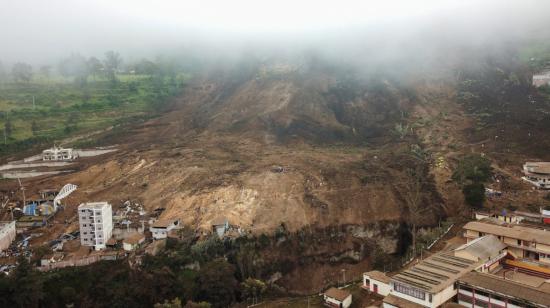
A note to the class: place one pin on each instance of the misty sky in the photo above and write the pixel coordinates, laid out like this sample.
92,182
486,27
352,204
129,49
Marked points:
40,31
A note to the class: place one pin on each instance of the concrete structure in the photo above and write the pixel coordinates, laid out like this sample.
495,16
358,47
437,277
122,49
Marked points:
133,241
521,241
7,234
161,228
431,282
537,173
48,194
220,225
484,290
96,224
541,79
376,282
57,153
337,298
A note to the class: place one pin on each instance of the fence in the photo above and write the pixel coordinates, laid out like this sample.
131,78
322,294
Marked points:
76,262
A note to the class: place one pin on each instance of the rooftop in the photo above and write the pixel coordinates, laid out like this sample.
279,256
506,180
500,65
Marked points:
400,302
134,238
483,247
507,287
337,294
537,167
164,223
513,231
219,221
94,205
378,275
436,272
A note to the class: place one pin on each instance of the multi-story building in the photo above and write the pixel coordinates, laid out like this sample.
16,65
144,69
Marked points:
57,153
521,241
96,224
486,290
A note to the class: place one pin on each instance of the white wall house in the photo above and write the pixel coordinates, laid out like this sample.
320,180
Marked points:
161,228
133,241
7,234
220,225
96,224
537,173
541,79
337,298
57,153
376,282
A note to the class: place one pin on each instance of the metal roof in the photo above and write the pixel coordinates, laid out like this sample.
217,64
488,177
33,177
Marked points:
483,247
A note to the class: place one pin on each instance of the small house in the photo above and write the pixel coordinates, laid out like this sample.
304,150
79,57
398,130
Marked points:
57,153
161,228
133,241
220,225
541,79
337,298
376,282
537,173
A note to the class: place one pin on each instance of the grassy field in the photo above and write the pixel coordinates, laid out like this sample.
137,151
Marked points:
64,108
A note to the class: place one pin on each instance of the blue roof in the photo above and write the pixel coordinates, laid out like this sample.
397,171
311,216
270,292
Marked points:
30,209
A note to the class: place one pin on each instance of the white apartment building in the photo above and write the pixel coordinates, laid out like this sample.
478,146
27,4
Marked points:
96,224
57,153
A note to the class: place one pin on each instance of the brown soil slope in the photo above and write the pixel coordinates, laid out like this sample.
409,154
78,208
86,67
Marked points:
295,150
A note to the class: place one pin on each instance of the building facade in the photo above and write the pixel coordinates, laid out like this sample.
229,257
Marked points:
337,298
7,234
537,173
484,290
521,241
96,224
160,228
57,153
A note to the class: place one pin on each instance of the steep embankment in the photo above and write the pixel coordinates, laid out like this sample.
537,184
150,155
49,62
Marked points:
267,151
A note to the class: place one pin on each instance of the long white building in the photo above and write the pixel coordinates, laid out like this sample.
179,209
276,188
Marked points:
96,224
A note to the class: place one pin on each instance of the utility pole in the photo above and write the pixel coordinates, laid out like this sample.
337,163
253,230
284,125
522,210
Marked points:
344,277
33,105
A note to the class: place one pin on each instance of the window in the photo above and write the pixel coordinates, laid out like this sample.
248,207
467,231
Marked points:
84,225
430,298
405,289
465,298
482,293
519,242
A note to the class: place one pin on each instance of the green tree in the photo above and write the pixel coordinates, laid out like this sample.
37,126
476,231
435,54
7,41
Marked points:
471,173
474,168
45,70
253,289
27,285
21,72
217,284
94,66
474,194
8,127
175,303
112,62
34,128
3,74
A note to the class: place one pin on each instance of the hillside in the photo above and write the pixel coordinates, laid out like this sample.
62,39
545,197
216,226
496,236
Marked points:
316,151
